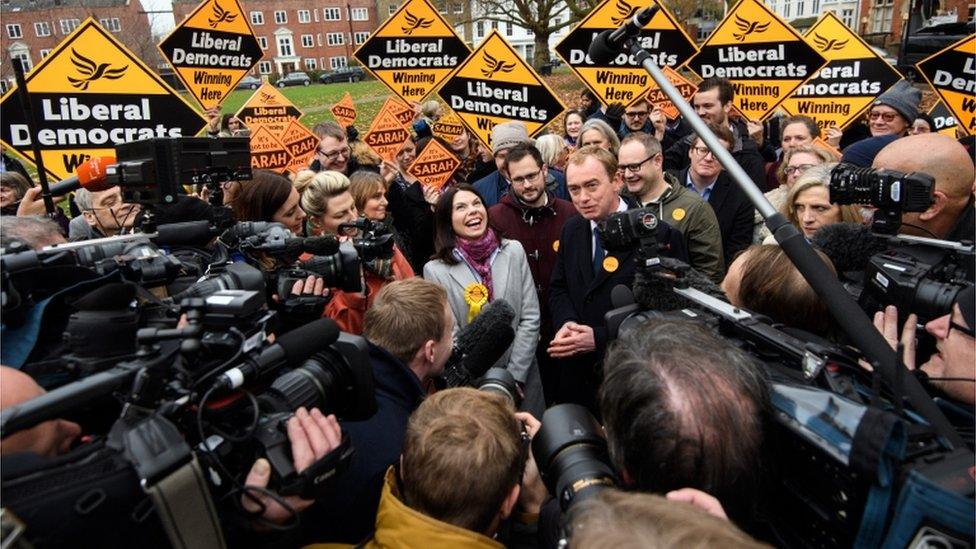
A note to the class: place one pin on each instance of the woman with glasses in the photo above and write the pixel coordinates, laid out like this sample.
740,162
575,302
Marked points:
476,267
808,204
329,204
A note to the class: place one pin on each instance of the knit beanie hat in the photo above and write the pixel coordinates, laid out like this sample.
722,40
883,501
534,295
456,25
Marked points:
904,98
507,135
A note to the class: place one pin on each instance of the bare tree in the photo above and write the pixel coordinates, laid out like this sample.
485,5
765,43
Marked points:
536,16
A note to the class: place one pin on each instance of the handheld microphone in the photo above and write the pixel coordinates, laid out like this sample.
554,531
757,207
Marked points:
92,175
848,245
291,348
479,345
610,43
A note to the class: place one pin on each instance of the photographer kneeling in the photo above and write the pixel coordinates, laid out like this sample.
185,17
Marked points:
459,475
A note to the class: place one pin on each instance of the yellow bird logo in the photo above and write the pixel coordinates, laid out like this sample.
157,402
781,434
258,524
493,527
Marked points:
624,12
91,71
220,15
826,45
414,23
495,65
747,28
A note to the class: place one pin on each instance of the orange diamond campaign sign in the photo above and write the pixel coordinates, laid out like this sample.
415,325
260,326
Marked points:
300,144
345,111
448,126
852,78
267,153
952,74
495,85
89,95
212,49
661,101
414,51
267,107
386,134
434,166
945,121
763,57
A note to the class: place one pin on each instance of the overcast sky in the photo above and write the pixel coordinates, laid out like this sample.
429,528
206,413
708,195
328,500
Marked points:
161,23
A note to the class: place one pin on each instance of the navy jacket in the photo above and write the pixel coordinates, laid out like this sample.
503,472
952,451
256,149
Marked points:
348,513
576,295
734,211
494,186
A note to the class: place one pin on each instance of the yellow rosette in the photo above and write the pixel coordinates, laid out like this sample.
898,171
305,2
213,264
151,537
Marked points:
476,296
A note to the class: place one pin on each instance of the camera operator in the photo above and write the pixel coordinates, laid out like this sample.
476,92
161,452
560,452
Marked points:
48,439
34,230
103,213
952,368
682,407
459,476
951,215
409,327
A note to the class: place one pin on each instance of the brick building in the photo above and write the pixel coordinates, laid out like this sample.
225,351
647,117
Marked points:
296,36
881,20
32,28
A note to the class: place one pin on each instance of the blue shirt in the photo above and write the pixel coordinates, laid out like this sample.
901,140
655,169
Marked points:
705,193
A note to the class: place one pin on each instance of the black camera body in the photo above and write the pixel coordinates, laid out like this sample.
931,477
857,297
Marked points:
890,191
629,230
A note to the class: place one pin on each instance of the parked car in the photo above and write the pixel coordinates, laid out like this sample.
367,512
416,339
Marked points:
924,42
343,74
297,78
248,83
884,55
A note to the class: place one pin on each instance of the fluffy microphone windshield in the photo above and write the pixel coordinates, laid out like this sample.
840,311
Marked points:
655,290
848,245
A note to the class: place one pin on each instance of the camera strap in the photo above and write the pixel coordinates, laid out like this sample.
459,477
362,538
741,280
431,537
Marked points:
171,475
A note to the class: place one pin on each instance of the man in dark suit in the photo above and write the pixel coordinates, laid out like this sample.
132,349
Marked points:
585,274
733,209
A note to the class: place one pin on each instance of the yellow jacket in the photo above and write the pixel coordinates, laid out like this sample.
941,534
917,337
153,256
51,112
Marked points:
400,526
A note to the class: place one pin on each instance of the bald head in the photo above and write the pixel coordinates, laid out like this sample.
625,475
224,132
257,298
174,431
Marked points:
935,154
49,438
945,160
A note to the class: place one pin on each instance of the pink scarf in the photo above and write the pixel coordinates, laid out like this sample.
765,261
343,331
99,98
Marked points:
477,254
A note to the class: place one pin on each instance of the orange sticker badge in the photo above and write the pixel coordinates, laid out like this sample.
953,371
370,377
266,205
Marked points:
610,264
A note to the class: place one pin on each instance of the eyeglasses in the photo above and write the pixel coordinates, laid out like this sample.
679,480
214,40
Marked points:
634,168
798,170
703,151
528,178
335,154
953,326
886,116
638,114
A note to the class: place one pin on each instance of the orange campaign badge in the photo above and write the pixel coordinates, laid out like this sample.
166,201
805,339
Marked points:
345,111
434,166
386,134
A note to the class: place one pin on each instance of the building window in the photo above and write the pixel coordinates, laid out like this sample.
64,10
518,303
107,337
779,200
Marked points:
337,62
281,17
847,16
393,8
359,14
42,29
45,52
307,41
263,42
14,31
304,16
111,24
264,67
334,39
881,13
285,48
68,25
479,29
360,37
799,8
310,63
331,14
25,60
816,7
458,8
257,17
788,9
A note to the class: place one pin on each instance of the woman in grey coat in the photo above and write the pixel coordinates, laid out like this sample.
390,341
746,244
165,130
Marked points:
476,267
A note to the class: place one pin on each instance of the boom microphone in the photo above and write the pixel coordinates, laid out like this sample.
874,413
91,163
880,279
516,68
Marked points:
479,345
291,348
92,175
848,245
610,43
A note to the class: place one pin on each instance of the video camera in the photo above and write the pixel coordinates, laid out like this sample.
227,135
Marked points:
629,230
890,191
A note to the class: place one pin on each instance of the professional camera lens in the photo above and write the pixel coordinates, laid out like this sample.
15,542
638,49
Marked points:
886,189
572,454
237,276
934,299
501,381
337,381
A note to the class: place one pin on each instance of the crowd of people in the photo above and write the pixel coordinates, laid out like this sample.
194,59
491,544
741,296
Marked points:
520,221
